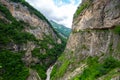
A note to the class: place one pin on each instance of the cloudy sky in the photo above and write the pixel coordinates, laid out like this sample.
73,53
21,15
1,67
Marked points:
60,11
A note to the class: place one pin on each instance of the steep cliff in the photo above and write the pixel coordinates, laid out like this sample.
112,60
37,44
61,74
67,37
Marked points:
28,43
93,48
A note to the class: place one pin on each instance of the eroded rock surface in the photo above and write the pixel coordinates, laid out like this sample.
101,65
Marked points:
92,35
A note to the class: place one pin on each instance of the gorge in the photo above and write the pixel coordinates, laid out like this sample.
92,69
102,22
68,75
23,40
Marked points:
31,49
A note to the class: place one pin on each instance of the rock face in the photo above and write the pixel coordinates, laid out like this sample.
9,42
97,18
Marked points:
33,75
93,28
41,39
21,12
95,32
98,15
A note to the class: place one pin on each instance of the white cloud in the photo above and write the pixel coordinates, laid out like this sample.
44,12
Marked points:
60,12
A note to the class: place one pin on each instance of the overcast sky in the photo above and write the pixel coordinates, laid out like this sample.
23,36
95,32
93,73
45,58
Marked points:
60,11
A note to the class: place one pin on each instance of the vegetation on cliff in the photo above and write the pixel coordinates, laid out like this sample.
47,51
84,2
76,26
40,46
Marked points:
49,55
97,69
34,11
59,70
12,31
117,29
12,67
82,7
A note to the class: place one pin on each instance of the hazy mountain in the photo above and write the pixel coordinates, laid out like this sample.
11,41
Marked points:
61,29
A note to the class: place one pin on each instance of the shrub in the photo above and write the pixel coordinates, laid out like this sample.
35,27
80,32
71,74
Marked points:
110,63
61,70
12,32
18,0
96,69
54,70
117,29
6,12
82,7
41,70
12,66
50,54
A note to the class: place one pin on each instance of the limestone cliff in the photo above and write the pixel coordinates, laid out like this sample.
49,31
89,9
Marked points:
28,35
93,44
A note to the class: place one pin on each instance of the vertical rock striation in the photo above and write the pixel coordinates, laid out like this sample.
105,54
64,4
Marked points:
95,33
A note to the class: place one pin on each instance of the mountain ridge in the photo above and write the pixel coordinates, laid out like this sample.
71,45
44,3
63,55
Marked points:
61,29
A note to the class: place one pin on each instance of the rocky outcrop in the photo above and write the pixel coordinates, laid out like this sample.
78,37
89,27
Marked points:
95,32
33,75
98,15
93,28
35,24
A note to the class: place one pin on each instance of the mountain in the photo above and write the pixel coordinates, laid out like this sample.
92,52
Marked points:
62,30
93,48
28,42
